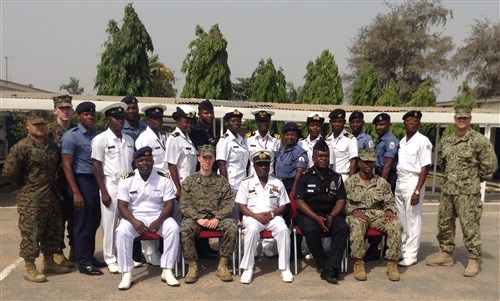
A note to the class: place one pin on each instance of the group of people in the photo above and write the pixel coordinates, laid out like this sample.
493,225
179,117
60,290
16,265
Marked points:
130,180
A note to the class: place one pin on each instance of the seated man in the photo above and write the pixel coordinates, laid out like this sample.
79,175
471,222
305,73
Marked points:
262,200
370,204
320,197
206,203
145,202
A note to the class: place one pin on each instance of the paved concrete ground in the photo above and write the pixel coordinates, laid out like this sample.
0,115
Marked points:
418,282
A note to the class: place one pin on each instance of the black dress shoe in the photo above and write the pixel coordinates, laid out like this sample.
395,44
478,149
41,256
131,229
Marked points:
98,264
91,271
330,275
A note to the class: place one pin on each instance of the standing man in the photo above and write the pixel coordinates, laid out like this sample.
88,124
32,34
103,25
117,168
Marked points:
83,188
63,110
146,202
314,126
467,159
414,160
387,149
206,202
111,157
356,123
262,201
370,203
320,198
132,127
343,146
32,164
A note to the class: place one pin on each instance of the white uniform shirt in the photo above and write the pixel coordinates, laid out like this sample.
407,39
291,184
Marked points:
308,145
255,142
181,152
234,151
145,198
114,153
158,144
413,155
342,150
262,199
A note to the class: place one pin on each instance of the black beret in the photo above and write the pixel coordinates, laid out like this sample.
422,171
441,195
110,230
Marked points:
233,113
321,145
85,106
143,151
356,115
129,99
413,113
290,126
205,105
183,111
337,113
381,117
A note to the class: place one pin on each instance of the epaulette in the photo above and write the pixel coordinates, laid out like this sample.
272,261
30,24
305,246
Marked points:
249,134
349,135
277,136
247,177
301,139
163,174
308,171
225,135
329,137
175,134
128,175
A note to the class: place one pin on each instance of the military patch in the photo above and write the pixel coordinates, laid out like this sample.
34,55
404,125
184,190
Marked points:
225,135
370,144
163,174
302,159
392,145
128,175
176,134
428,146
275,189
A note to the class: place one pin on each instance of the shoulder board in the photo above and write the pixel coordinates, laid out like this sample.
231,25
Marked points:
277,136
349,135
249,134
301,139
225,135
329,137
163,174
175,134
128,175
308,171
247,177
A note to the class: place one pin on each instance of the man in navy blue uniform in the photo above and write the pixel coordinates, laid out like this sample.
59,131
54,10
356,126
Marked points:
132,127
386,148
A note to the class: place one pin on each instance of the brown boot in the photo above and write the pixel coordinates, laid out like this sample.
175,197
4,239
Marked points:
32,274
192,275
60,259
443,259
472,268
392,270
359,269
222,271
50,267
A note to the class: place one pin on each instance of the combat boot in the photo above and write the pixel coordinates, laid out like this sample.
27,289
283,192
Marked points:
32,274
50,267
60,259
392,270
222,271
443,259
192,275
359,269
472,268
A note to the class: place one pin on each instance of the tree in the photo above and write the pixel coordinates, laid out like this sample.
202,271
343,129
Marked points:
425,97
389,97
162,79
293,94
366,90
243,89
124,66
206,68
404,45
480,58
73,87
269,84
323,84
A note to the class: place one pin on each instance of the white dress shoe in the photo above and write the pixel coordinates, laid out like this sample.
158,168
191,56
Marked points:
406,262
286,275
113,268
168,277
246,276
126,281
137,264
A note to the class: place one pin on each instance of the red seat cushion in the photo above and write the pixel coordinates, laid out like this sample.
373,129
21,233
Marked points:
207,233
149,236
373,232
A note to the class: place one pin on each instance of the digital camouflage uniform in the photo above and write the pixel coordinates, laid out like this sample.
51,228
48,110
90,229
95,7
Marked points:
207,197
373,200
466,162
32,166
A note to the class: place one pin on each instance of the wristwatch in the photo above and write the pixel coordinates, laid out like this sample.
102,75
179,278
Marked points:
417,192
272,214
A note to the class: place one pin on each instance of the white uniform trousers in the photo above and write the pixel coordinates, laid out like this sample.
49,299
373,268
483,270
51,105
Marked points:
109,221
409,216
252,229
125,235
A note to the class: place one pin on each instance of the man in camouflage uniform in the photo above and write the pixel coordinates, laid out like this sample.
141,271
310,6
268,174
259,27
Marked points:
207,202
32,164
370,204
467,159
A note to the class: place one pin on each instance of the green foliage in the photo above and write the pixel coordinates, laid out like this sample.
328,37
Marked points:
366,90
323,84
72,87
293,94
269,84
162,79
425,97
243,89
480,58
390,97
465,99
206,68
404,45
124,66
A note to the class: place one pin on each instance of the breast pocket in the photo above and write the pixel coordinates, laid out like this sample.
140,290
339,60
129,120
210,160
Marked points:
341,149
112,152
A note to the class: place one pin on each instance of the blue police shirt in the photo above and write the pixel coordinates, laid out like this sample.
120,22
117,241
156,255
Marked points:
364,141
387,146
133,132
77,142
287,160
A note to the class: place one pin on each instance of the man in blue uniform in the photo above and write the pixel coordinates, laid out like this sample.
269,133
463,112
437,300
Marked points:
356,123
387,149
132,127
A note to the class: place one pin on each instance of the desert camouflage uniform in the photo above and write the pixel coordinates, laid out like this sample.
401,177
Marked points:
466,162
32,165
207,197
373,200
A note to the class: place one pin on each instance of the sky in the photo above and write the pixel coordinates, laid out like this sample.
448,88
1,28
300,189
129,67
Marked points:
43,43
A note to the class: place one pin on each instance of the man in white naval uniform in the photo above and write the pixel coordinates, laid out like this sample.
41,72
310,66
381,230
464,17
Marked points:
314,125
111,158
415,153
153,138
262,200
146,201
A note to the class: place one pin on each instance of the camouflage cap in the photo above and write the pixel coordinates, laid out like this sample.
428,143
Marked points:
463,111
367,154
206,150
62,101
36,116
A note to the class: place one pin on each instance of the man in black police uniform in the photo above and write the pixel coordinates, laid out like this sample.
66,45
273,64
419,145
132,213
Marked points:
320,197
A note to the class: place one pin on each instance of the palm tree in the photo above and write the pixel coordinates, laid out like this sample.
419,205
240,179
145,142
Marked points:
162,78
73,87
